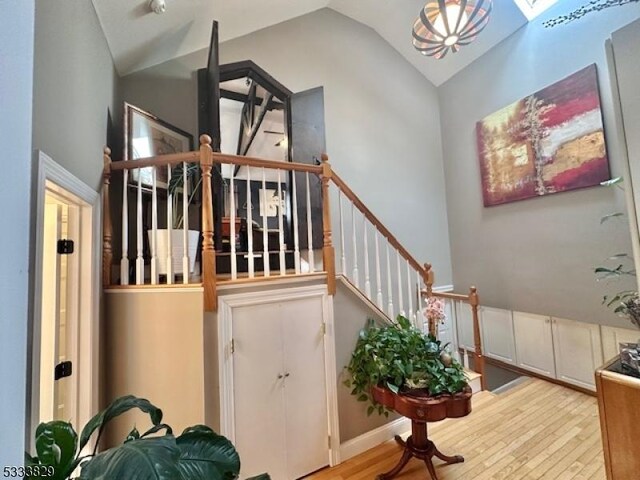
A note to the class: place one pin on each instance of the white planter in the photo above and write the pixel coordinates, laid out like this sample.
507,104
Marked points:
177,249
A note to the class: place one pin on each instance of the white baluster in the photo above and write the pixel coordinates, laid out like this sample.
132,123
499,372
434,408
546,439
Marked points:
169,258
283,265
312,263
379,299
367,280
400,296
154,227
232,220
465,358
296,233
124,262
139,258
389,285
343,256
354,241
185,224
410,314
420,318
265,234
250,225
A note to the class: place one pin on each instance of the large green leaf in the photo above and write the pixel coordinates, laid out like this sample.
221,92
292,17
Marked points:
205,455
56,445
145,459
118,407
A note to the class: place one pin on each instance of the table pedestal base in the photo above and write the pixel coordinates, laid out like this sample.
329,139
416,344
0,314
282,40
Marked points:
419,446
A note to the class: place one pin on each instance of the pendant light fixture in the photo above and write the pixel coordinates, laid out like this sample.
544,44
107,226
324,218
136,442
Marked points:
447,25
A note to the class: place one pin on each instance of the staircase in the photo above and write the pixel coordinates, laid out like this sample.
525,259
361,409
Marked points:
356,249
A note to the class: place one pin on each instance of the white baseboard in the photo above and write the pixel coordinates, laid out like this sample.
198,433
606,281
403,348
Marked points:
372,439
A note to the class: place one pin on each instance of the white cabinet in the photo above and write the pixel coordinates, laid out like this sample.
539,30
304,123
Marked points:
464,318
274,387
497,334
578,351
534,343
612,337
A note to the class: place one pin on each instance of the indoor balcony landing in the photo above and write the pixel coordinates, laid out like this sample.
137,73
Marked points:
537,430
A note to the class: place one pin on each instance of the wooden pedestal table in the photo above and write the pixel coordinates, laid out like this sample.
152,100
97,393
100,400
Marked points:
421,410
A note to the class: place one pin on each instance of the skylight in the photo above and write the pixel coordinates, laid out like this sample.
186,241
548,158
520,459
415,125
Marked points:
533,8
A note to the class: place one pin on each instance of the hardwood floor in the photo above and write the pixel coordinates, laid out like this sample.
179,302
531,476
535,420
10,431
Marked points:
537,430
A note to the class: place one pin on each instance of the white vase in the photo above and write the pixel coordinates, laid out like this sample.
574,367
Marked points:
177,249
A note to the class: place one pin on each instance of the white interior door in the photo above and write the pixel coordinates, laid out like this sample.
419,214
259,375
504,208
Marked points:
258,383
59,319
534,343
307,428
279,388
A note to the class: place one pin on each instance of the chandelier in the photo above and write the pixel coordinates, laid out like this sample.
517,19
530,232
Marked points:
447,25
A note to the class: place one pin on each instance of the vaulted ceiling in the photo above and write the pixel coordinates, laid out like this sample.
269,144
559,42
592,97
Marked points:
139,38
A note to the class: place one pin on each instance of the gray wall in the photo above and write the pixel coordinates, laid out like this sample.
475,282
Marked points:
351,315
535,255
16,83
75,87
625,45
383,132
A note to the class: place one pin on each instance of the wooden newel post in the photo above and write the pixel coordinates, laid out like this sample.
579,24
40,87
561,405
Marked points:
208,249
107,228
474,301
428,282
328,252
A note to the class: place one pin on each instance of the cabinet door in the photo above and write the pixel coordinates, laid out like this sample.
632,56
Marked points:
258,363
445,329
612,337
464,319
497,334
578,351
307,429
534,343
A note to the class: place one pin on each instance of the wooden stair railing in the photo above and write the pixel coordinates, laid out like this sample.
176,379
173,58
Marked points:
473,300
395,286
206,158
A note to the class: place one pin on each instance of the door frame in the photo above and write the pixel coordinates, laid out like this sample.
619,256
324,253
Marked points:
89,202
225,355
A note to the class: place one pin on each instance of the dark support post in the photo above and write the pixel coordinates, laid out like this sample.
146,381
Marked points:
107,229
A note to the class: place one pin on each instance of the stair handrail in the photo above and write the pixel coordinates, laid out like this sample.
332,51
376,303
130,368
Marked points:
473,300
206,158
349,193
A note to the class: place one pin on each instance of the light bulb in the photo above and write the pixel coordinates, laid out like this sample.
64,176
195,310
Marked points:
454,11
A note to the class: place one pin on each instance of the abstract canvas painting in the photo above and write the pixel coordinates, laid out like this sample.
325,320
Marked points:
549,142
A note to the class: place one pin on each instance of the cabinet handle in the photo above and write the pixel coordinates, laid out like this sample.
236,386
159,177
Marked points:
287,374
546,320
280,376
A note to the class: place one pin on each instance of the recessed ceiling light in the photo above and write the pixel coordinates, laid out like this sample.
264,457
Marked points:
532,8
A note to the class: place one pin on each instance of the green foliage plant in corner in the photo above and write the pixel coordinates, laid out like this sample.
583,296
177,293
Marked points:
402,358
197,454
625,303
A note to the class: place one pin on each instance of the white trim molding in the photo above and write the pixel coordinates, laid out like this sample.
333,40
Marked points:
225,357
373,438
51,175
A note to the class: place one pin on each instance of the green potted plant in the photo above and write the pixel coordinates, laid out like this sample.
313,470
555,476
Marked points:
175,189
399,359
625,303
197,454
